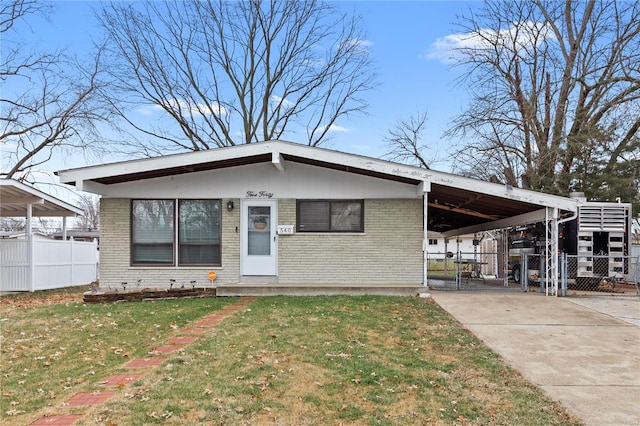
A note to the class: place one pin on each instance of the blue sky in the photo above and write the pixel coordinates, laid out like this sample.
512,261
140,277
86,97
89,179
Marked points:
402,38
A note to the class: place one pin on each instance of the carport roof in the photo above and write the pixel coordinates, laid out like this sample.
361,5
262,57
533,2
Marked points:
16,196
456,204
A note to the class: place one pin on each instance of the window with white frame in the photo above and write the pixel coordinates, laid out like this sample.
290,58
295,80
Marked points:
330,216
154,238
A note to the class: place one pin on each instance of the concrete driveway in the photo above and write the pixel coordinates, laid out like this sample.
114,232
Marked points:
585,353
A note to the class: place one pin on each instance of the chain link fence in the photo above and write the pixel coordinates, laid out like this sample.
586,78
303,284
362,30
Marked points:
582,275
577,275
468,271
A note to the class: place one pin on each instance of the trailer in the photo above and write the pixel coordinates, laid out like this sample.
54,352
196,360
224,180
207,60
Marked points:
597,240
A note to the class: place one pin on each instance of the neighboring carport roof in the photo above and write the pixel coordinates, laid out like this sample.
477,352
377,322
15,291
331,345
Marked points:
16,196
455,203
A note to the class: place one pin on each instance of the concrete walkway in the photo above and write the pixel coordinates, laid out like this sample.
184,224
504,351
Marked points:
585,353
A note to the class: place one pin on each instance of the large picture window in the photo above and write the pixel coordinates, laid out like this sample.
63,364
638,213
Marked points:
330,216
154,238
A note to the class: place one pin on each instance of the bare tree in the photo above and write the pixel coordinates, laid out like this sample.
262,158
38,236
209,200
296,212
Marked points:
228,73
90,205
12,224
403,141
552,84
49,102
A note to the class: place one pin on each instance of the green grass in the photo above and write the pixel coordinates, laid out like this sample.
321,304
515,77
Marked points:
284,360
437,268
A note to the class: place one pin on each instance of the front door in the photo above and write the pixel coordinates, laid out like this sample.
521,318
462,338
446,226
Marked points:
258,237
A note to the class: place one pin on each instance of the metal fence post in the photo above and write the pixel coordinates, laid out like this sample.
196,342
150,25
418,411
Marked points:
543,276
524,272
563,274
458,271
636,274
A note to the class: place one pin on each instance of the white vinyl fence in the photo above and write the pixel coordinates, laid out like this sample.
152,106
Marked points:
41,264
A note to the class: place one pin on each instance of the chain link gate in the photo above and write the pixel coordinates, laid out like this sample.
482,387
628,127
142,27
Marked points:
479,270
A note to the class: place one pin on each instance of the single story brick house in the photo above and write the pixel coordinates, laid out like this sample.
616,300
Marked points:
279,214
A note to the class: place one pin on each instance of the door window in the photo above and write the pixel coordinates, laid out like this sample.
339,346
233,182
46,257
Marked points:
259,231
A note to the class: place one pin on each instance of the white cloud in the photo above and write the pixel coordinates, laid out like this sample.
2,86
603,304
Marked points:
333,128
148,110
450,49
361,45
445,49
281,101
197,109
10,143
338,129
217,109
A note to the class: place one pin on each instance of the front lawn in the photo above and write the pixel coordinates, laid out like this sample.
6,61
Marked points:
283,360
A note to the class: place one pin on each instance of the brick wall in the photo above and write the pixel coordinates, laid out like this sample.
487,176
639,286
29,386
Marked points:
389,252
115,241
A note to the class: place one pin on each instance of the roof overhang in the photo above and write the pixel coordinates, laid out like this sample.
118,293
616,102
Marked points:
455,203
15,197
276,152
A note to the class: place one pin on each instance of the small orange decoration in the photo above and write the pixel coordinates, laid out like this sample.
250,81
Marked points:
212,275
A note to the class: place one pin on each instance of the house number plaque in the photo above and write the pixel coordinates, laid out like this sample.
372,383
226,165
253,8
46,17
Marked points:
285,229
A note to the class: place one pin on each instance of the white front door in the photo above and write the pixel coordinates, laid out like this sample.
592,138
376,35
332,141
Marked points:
258,245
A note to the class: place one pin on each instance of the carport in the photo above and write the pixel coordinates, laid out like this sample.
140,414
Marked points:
28,265
471,207
20,200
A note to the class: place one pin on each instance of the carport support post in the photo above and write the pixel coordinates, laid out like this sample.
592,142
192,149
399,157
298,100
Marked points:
424,188
30,245
551,251
64,228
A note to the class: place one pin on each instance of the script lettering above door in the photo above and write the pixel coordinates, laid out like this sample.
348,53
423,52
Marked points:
259,194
